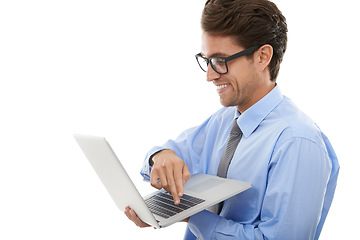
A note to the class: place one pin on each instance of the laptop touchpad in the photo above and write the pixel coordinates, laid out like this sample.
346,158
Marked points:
205,185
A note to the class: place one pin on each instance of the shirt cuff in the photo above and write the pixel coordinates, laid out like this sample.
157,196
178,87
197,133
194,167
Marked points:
203,224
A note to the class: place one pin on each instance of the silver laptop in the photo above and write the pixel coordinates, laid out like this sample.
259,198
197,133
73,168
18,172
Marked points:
157,209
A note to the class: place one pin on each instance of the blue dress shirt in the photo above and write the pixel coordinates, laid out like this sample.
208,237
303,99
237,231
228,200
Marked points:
290,163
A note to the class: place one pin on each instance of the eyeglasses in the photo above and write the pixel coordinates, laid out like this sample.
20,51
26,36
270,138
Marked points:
219,64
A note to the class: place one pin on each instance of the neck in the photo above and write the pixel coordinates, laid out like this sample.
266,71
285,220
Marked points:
258,94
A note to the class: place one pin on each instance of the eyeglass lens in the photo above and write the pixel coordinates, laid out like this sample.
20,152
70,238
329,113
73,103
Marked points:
217,64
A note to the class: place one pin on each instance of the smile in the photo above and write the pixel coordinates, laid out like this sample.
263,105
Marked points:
222,86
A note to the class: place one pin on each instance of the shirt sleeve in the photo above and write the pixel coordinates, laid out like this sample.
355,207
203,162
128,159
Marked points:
188,146
298,175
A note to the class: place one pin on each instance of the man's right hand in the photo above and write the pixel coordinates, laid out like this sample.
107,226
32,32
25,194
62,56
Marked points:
172,173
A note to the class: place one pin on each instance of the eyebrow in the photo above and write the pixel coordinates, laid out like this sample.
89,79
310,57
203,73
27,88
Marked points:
217,54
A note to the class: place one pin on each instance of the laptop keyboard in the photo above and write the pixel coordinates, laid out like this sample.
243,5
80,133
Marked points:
162,204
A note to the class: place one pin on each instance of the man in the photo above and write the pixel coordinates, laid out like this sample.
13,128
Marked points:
288,160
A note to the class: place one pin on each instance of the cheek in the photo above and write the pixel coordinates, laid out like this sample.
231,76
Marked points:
239,69
237,79
242,73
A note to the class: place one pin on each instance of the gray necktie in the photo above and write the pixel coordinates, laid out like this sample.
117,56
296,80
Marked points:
233,141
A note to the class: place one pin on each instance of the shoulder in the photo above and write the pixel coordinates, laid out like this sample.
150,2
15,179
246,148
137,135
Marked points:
218,121
295,124
225,113
213,123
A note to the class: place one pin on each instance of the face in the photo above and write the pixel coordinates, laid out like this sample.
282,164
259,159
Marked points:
242,85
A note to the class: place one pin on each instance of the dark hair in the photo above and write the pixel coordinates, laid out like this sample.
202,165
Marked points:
251,22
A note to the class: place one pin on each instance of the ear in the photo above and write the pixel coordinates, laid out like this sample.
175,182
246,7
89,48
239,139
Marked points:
263,56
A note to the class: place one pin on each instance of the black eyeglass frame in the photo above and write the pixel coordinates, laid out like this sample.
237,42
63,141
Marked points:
225,59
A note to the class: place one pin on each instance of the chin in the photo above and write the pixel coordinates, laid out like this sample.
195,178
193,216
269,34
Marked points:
227,103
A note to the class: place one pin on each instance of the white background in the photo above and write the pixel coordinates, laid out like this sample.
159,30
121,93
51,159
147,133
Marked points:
126,70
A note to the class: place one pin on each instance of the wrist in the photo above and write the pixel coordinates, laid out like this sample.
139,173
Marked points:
151,158
151,161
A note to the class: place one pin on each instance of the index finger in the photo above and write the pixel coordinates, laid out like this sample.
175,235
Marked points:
179,180
172,185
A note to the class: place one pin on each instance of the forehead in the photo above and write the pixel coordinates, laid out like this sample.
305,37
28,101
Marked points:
216,45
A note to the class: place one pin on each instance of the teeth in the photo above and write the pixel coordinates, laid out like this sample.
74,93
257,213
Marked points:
222,86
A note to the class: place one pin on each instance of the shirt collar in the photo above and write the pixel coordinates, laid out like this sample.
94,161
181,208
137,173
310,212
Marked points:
249,120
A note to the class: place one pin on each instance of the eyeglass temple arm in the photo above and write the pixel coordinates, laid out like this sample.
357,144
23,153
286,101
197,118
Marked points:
243,53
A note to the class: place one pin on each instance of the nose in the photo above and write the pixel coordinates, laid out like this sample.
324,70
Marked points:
211,75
